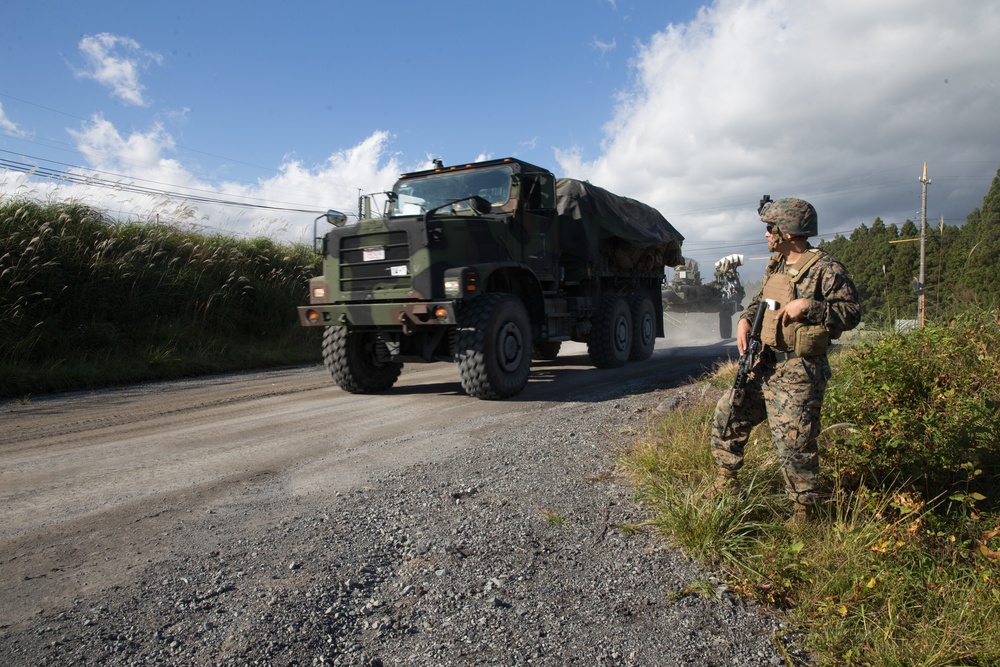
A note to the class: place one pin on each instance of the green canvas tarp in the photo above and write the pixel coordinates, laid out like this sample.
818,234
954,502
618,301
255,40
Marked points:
593,220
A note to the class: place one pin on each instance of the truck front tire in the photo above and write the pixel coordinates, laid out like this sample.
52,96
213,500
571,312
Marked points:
643,326
351,357
611,334
493,349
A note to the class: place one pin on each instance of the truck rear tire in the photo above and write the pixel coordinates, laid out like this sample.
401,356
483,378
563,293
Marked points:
725,323
643,326
611,335
493,349
351,358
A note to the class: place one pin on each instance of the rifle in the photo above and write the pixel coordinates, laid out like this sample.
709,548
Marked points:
753,348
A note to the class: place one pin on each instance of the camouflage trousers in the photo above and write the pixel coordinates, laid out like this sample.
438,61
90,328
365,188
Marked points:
789,394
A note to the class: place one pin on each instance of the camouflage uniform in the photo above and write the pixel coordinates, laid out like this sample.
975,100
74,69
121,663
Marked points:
786,389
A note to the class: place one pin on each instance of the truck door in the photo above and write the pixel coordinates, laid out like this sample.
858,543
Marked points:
535,228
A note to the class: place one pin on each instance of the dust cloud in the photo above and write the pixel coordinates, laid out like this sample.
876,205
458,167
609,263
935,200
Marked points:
689,328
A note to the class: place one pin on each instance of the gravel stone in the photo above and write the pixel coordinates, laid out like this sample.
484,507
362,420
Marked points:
513,552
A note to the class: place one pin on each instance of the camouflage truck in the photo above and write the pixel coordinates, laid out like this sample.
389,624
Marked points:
489,265
687,294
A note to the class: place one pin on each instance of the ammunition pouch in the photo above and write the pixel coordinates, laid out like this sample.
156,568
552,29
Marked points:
811,340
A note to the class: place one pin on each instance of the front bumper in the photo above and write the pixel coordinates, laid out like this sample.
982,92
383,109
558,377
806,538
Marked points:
406,314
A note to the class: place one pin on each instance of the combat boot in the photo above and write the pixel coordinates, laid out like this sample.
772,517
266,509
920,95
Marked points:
725,482
802,513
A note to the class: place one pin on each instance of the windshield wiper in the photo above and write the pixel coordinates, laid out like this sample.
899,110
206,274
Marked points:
480,205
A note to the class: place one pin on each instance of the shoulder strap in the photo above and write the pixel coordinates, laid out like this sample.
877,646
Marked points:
773,264
796,273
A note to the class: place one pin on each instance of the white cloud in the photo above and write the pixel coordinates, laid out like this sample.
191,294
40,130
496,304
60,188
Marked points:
140,168
9,126
603,47
838,103
362,169
137,154
115,62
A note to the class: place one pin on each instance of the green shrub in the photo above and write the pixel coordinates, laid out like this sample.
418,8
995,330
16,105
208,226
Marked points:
924,405
897,575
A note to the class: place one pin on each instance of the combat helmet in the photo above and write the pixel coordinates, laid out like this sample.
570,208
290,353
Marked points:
794,217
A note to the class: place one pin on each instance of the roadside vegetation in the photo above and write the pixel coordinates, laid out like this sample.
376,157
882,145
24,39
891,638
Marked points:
87,302
902,566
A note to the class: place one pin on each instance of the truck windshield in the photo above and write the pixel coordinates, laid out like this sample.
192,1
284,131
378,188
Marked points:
422,194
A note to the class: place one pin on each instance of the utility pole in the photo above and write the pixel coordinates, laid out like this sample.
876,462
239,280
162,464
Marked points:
923,241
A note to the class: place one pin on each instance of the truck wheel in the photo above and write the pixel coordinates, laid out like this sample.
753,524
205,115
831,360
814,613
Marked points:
493,349
351,358
546,351
725,323
611,334
643,326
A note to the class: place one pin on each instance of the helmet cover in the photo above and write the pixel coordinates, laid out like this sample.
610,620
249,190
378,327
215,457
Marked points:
794,217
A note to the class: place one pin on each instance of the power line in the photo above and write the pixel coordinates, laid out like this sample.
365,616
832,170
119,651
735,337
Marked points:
87,120
177,146
91,177
810,189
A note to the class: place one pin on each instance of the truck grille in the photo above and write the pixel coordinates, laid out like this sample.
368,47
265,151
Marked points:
363,268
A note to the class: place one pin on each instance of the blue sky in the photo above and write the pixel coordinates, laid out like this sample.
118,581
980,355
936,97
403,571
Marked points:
696,108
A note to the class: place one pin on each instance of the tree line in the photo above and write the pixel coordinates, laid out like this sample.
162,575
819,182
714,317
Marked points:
961,265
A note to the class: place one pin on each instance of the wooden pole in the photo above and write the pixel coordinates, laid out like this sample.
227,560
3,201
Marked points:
923,240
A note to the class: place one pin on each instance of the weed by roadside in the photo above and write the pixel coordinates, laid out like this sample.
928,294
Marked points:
86,301
888,574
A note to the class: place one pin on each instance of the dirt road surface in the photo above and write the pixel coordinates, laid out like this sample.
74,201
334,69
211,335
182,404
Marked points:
99,489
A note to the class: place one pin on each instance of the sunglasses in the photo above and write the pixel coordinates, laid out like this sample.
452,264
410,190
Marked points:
771,229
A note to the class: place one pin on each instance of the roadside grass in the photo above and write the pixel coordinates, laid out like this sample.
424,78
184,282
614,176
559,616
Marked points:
894,570
87,302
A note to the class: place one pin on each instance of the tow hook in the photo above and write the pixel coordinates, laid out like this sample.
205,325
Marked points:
404,320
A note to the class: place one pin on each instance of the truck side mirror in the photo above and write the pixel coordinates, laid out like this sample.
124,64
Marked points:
336,218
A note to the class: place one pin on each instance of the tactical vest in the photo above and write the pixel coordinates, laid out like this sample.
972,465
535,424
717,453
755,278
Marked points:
779,290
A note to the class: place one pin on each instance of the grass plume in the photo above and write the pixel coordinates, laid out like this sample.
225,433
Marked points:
86,301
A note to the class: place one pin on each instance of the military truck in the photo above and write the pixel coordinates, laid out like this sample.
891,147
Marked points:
724,295
488,265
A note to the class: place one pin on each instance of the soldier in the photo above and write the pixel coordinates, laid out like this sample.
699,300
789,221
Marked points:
810,300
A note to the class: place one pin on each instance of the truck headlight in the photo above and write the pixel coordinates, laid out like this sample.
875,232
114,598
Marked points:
319,291
460,283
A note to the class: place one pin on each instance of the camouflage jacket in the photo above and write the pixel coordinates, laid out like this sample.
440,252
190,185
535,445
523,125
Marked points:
832,295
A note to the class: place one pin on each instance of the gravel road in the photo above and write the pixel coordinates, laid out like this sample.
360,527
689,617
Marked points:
458,532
